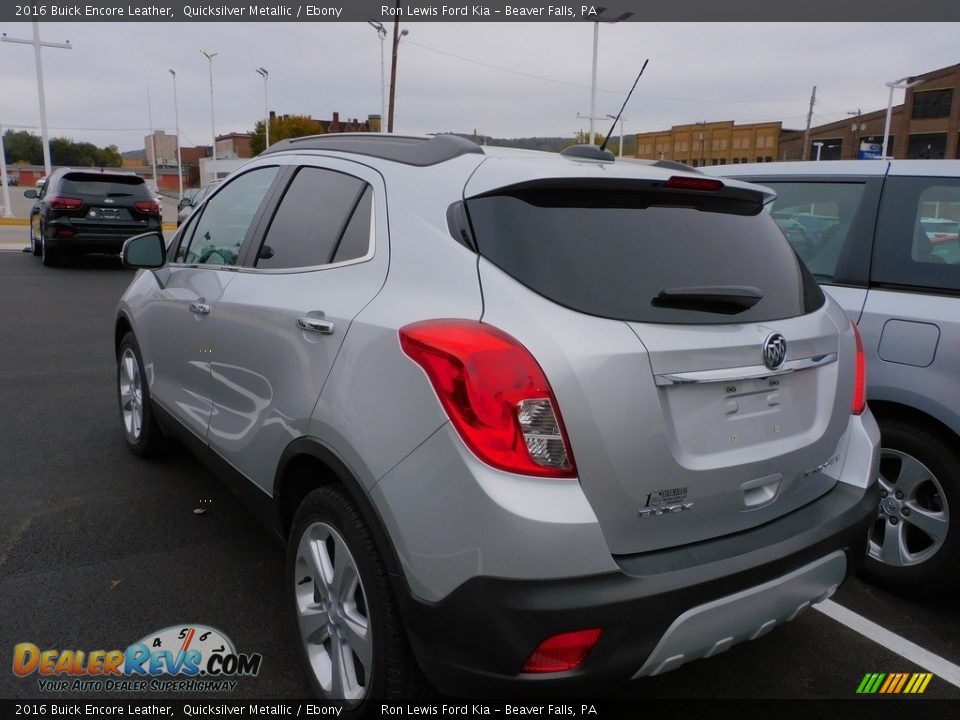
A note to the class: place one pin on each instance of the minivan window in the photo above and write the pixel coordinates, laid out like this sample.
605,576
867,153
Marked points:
918,233
310,220
607,253
816,218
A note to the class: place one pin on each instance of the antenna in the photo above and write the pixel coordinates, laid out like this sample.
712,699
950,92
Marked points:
623,107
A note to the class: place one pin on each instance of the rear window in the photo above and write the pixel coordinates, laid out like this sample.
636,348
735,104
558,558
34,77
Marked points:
617,254
104,185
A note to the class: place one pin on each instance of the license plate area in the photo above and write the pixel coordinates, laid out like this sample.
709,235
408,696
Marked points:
718,417
107,214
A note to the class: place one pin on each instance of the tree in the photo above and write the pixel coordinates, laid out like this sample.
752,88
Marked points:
284,127
23,147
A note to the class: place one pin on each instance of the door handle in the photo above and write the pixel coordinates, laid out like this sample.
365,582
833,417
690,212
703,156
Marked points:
312,324
199,308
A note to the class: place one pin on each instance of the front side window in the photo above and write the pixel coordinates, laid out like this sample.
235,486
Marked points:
225,220
917,234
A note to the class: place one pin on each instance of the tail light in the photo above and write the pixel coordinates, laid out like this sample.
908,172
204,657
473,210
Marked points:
495,394
559,653
151,207
860,376
58,202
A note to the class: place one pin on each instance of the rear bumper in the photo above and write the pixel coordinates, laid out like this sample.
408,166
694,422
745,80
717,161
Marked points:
658,610
92,239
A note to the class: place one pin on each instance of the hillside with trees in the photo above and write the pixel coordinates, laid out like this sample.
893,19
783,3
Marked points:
22,147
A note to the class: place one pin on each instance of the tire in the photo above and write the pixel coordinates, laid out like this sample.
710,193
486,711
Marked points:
34,245
919,481
49,257
141,433
379,664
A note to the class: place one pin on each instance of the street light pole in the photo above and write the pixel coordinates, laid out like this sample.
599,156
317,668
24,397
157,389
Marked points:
210,55
902,84
153,145
176,116
593,73
614,117
37,45
262,72
382,33
819,148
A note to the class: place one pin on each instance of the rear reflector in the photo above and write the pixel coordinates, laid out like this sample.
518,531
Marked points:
678,182
64,203
860,376
494,393
563,652
65,232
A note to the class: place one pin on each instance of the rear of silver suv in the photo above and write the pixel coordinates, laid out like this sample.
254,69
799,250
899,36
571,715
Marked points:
592,421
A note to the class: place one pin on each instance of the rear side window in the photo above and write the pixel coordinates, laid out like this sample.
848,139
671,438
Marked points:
615,255
918,234
816,218
311,220
109,186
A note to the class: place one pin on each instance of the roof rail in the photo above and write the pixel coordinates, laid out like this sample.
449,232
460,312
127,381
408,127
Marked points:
416,150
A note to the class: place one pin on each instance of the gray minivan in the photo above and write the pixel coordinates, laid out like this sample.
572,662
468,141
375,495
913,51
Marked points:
882,238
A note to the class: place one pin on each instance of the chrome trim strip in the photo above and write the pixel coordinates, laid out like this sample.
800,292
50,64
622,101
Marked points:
749,372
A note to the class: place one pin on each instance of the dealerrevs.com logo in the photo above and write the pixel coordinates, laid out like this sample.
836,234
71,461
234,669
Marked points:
182,658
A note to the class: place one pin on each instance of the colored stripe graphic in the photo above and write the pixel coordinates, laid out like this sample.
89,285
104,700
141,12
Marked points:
894,683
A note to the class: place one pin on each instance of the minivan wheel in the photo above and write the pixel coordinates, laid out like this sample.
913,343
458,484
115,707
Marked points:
913,547
350,637
143,436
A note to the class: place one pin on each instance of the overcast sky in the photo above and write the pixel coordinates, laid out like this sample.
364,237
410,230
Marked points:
502,79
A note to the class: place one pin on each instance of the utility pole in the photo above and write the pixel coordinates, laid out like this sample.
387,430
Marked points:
393,70
806,134
176,116
37,45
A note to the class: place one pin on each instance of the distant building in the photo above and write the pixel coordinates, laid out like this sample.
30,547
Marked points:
926,125
712,143
166,148
234,145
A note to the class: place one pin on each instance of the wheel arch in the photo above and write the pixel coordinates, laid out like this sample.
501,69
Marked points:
886,410
308,464
121,328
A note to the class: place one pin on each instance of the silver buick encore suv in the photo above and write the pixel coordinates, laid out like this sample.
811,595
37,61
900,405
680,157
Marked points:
523,420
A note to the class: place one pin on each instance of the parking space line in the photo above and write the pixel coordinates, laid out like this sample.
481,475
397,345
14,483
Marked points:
942,668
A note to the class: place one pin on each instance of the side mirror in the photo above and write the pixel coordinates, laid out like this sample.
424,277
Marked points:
32,194
184,202
144,251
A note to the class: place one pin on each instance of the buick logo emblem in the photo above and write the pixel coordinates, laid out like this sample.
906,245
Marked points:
774,351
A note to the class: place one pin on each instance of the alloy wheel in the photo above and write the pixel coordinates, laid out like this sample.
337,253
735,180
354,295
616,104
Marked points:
332,612
913,520
131,395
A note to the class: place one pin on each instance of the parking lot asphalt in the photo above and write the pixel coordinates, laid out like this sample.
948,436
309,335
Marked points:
99,549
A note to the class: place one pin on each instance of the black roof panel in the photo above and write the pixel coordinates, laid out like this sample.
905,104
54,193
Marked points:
409,150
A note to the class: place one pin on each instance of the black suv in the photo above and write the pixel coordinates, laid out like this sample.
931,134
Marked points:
89,211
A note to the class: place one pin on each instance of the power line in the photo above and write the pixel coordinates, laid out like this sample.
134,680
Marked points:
568,83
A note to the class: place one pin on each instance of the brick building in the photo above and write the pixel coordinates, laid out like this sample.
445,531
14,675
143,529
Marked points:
712,143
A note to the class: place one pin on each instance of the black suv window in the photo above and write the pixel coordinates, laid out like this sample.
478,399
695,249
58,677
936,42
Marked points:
103,185
612,254
917,233
313,221
817,218
225,220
